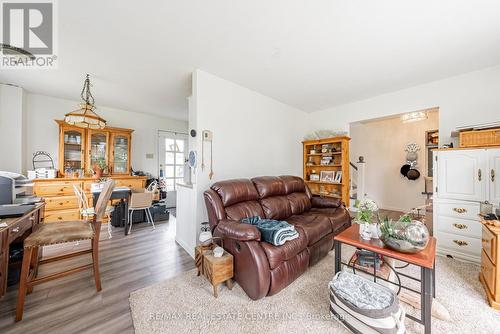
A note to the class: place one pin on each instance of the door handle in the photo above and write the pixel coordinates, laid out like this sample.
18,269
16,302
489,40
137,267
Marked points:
492,175
479,174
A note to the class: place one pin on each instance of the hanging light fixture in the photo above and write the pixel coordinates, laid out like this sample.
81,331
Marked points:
414,116
85,117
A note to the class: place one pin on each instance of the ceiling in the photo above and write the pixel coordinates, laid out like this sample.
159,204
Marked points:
308,54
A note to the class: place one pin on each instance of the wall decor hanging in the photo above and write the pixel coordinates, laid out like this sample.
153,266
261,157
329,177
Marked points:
409,169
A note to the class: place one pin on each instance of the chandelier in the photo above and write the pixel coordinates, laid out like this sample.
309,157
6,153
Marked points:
414,116
85,117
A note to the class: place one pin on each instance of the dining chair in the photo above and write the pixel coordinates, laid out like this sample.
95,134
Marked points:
140,201
59,233
87,212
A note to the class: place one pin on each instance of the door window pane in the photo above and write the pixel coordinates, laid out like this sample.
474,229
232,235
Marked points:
170,158
179,171
170,144
169,171
180,145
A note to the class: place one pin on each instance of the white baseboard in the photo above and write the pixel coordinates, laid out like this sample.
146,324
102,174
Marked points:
189,250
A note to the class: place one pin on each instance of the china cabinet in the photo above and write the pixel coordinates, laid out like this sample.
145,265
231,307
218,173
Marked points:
80,149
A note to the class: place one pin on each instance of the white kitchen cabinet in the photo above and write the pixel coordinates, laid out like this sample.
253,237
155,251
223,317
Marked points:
494,175
462,175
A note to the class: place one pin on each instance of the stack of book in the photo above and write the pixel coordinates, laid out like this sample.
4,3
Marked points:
365,261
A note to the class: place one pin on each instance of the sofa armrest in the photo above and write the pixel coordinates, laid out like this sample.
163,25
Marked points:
233,229
325,202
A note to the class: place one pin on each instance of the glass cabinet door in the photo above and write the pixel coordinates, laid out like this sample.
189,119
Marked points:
72,149
98,148
121,159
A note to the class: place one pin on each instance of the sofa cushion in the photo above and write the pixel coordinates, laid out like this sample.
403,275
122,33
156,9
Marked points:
268,186
293,184
315,227
244,210
276,207
278,254
299,202
235,191
338,217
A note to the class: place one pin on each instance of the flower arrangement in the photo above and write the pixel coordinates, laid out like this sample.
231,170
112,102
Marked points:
366,210
404,235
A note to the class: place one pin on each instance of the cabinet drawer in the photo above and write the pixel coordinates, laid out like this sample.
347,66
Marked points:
130,183
488,270
465,227
18,229
62,215
459,244
458,209
61,203
55,188
489,242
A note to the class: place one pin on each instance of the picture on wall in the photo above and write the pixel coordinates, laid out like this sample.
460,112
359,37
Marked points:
327,176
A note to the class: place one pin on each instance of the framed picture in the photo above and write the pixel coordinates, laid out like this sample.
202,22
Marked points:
338,177
327,176
314,177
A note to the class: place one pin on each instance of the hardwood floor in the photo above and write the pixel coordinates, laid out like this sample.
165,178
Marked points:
72,305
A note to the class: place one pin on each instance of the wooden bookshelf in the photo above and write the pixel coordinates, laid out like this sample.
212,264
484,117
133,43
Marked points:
337,156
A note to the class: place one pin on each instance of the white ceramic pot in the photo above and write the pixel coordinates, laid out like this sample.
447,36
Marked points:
365,231
374,230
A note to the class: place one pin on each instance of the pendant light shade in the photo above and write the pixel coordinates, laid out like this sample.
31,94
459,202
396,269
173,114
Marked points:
85,116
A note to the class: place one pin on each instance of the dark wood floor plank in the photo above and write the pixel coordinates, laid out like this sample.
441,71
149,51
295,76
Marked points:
72,305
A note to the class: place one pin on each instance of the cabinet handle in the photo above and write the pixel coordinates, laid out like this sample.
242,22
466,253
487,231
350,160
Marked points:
460,210
492,174
461,242
460,226
479,174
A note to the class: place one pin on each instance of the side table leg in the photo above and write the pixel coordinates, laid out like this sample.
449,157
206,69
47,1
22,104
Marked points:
216,290
229,284
434,280
426,298
338,255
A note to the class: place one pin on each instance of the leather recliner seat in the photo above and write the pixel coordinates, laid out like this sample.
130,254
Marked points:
261,268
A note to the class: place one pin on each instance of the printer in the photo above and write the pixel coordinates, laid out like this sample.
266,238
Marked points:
16,189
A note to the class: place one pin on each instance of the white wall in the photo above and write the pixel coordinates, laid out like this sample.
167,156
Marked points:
469,98
42,130
12,124
382,143
252,135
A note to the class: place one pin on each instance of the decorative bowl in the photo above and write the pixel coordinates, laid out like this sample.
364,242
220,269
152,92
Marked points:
405,237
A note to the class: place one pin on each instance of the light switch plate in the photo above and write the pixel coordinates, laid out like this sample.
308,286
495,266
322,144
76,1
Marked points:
207,135
150,156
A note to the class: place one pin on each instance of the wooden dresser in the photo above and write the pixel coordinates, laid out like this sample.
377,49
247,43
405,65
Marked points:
61,201
490,263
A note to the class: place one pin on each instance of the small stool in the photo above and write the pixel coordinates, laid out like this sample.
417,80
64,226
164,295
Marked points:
218,269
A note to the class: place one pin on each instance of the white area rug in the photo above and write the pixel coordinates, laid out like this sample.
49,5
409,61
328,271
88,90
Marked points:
185,304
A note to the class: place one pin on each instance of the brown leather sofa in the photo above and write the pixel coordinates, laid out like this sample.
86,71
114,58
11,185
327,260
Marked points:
263,269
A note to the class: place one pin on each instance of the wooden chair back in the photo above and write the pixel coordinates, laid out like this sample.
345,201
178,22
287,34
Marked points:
102,202
78,194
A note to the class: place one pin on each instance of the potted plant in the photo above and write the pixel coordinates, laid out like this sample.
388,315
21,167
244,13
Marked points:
99,167
367,227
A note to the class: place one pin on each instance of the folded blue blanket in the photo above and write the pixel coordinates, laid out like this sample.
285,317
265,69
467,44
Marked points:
275,232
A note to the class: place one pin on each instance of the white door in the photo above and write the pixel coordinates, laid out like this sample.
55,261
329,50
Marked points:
462,175
494,175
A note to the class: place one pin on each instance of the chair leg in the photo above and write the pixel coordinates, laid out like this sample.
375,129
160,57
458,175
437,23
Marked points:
95,262
25,270
109,226
131,213
150,218
34,265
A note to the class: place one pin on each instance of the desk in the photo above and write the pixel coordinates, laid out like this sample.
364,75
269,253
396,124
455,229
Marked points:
425,260
17,228
121,193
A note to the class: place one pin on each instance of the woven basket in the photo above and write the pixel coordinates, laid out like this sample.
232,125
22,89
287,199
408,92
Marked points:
490,137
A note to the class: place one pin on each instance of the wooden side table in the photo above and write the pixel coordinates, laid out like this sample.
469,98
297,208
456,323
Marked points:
218,269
